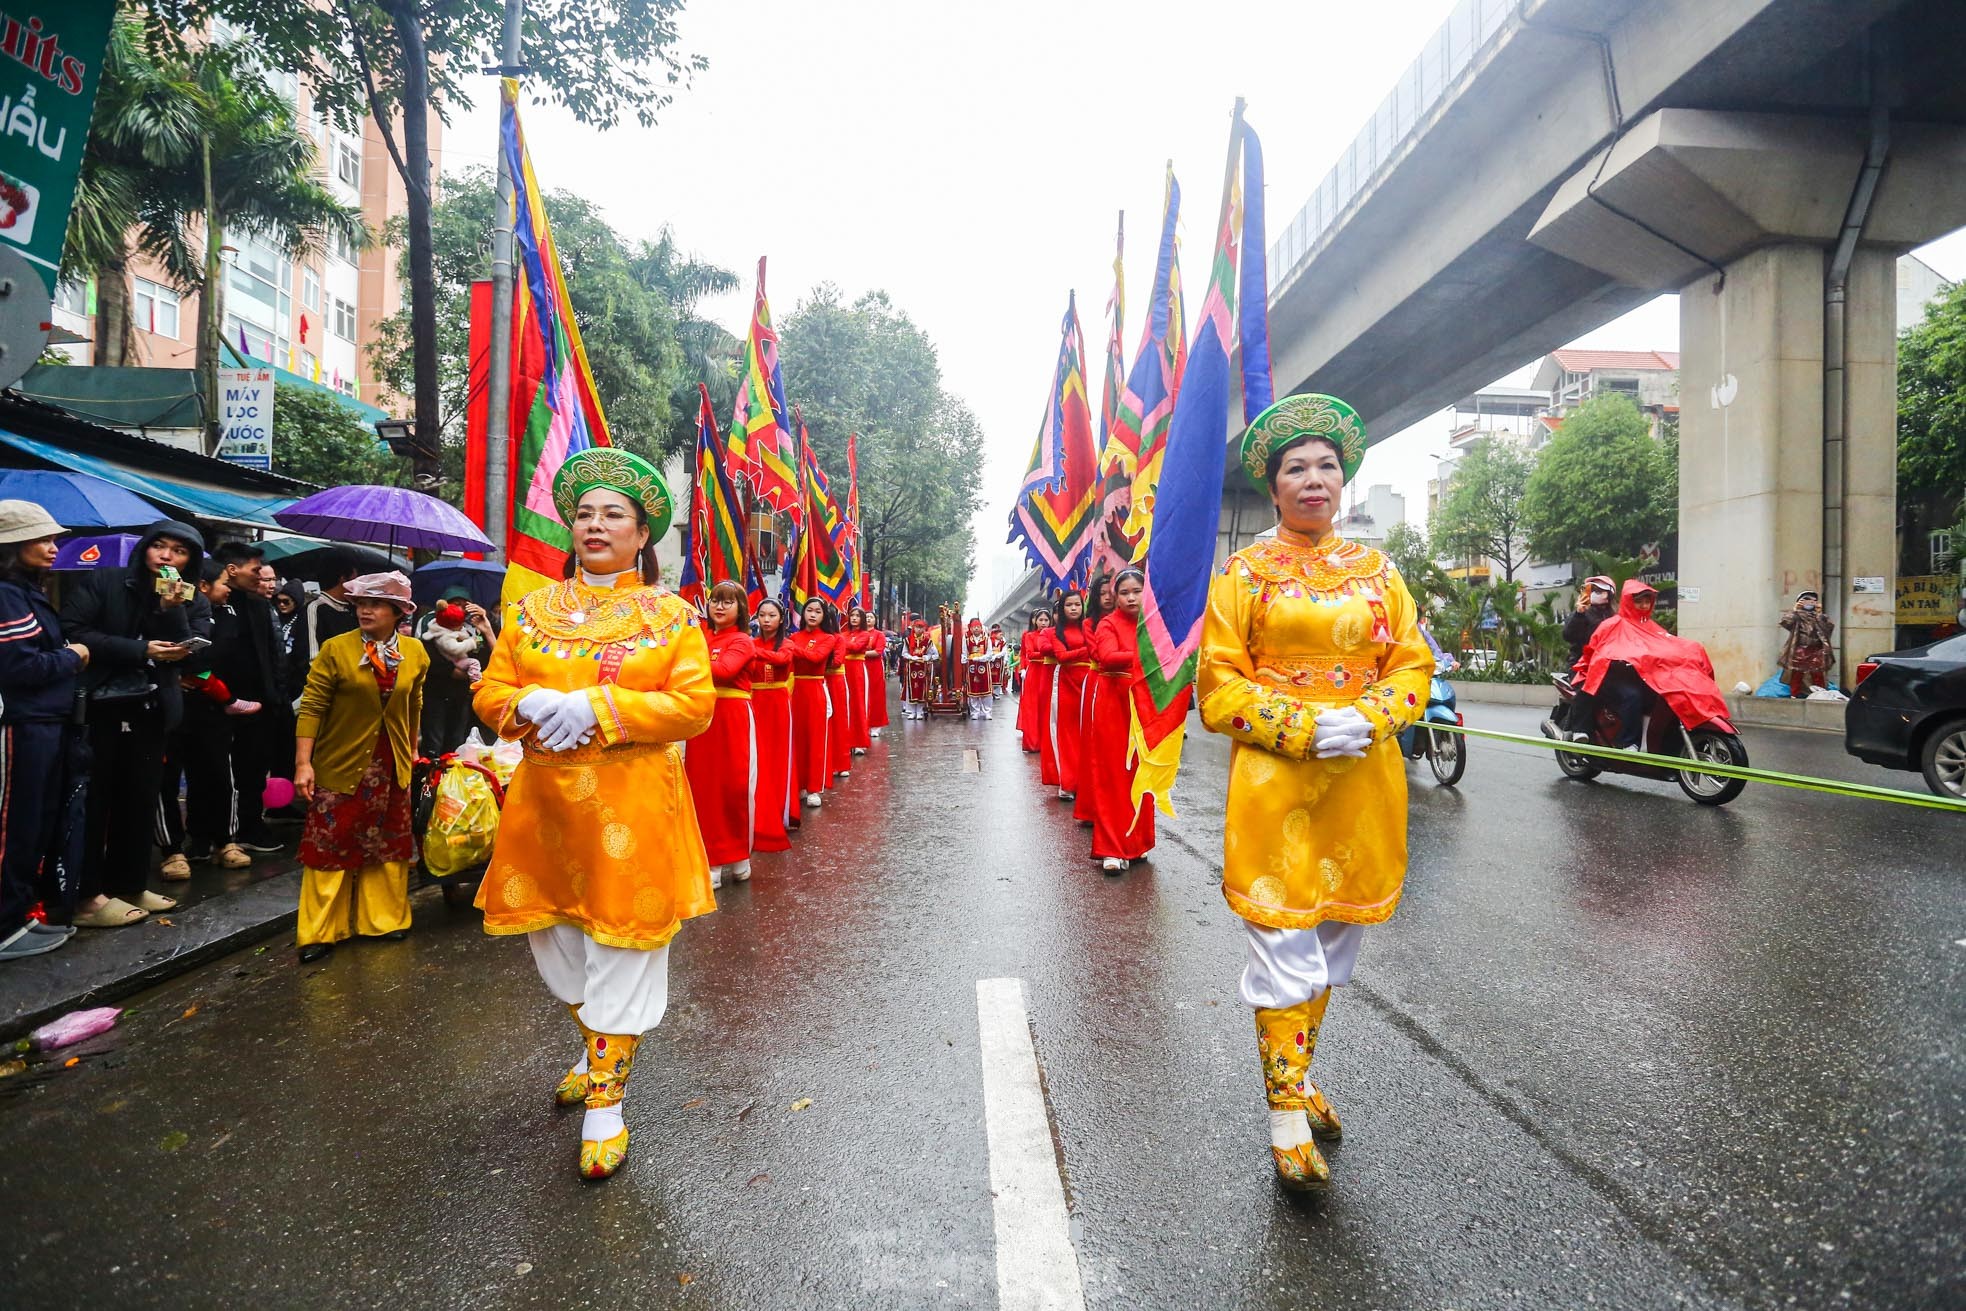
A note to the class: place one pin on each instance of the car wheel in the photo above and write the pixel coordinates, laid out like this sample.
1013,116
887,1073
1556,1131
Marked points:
1944,760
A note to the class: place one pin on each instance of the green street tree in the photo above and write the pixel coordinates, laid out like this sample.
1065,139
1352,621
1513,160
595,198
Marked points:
1412,553
865,367
318,439
629,328
1602,484
709,352
1482,511
1932,401
403,61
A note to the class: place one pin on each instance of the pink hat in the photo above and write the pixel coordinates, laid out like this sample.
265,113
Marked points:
392,587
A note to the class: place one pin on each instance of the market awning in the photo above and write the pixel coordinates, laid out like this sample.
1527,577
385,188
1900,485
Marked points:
199,501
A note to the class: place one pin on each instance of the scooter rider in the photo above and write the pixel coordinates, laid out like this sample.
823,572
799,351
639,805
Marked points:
1593,608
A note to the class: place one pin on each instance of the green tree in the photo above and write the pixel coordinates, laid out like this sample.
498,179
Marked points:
318,439
1932,400
403,61
1483,505
1600,485
709,353
1412,553
628,329
866,367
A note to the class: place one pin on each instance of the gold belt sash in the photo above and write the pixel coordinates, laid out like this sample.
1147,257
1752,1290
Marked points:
733,694
771,687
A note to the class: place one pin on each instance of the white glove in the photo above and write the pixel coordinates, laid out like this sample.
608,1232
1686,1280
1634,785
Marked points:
536,705
569,725
1343,732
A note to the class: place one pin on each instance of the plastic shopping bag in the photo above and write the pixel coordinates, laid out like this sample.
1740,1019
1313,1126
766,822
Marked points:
463,823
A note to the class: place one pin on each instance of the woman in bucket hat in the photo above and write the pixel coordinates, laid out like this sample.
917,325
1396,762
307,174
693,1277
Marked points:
354,747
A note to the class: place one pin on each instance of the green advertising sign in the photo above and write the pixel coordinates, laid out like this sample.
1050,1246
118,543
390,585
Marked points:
50,61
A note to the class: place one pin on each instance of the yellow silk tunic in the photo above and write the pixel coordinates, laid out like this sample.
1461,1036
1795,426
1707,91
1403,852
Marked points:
1293,629
602,837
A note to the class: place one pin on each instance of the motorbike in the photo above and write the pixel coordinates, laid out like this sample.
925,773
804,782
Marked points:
1663,734
1446,753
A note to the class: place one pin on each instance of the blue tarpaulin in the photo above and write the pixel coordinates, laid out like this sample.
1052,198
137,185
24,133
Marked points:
169,493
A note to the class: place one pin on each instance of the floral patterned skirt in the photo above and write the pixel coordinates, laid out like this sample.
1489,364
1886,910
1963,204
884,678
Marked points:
348,830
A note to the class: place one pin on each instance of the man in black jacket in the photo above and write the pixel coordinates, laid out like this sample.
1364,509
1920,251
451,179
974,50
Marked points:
135,622
246,632
1594,606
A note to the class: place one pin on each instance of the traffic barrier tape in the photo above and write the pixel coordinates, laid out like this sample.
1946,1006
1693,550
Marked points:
1713,769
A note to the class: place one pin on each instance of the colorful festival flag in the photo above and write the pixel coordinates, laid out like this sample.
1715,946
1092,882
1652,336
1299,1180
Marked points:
858,591
1152,385
822,569
1181,555
713,549
1110,551
555,409
1053,517
761,427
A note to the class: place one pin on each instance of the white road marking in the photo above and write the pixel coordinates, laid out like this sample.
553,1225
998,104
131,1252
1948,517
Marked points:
1037,1269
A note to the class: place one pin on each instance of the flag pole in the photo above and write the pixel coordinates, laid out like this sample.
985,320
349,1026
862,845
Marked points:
498,418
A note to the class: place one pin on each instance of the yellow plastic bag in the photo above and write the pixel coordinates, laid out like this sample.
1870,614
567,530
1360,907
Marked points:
463,823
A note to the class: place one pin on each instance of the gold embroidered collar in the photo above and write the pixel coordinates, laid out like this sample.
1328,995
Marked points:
1326,565
572,611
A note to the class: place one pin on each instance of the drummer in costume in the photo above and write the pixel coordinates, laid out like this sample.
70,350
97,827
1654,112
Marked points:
977,662
1312,661
773,812
812,650
599,860
917,660
999,661
722,762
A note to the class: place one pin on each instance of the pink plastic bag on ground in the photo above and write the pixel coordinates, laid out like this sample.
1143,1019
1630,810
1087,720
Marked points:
74,1027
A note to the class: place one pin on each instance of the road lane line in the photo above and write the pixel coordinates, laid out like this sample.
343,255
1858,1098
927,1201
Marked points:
1037,1270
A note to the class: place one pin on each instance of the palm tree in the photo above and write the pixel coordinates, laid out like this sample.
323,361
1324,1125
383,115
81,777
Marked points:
709,352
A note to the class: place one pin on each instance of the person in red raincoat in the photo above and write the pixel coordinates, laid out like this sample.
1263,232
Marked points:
839,727
859,639
1098,604
1121,831
773,814
1034,696
876,680
1073,651
812,650
1630,652
721,762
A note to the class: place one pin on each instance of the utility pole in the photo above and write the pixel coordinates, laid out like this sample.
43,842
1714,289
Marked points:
498,418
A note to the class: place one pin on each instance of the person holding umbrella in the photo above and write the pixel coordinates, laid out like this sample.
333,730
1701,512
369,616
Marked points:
39,673
354,746
599,859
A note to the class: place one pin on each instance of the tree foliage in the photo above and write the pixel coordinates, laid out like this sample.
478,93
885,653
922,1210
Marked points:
318,439
1932,400
1412,553
1482,512
1600,485
866,367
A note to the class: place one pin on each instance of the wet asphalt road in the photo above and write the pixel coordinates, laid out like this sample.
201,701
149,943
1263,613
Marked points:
1615,1049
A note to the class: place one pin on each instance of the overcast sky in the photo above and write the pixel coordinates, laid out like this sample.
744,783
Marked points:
974,166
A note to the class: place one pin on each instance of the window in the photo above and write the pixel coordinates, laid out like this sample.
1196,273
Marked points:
348,164
73,297
340,246
156,308
310,289
1628,386
344,319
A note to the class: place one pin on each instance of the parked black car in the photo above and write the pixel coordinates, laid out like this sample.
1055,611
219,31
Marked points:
1909,712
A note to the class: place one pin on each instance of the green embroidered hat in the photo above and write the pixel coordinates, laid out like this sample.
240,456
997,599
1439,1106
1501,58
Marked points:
619,471
1308,415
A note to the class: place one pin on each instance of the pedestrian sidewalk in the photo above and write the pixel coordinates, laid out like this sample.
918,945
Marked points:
219,911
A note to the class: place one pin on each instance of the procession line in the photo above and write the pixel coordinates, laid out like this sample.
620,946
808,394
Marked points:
1037,1268
1681,765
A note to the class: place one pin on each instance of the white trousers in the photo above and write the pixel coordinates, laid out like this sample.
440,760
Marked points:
1288,966
620,990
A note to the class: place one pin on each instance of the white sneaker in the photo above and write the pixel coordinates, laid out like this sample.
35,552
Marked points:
813,799
874,733
741,872
1112,865
716,877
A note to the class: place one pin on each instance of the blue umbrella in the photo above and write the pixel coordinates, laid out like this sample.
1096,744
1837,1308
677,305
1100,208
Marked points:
484,578
109,551
78,500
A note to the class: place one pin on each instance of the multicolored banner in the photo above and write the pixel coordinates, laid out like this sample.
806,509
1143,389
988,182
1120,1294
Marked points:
713,545
555,408
860,590
1053,517
761,426
822,567
1186,515
1152,386
1107,552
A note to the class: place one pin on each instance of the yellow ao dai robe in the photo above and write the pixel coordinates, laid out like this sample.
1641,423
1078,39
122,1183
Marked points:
1291,630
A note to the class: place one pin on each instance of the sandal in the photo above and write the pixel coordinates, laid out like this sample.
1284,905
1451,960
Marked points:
156,901
176,868
114,913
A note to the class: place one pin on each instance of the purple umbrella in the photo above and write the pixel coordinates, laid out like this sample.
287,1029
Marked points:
111,550
391,516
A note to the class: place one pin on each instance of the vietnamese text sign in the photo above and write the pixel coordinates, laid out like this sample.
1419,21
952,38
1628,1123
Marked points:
50,60
1928,599
245,417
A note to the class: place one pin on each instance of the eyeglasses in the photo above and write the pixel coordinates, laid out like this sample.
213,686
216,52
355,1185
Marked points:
613,516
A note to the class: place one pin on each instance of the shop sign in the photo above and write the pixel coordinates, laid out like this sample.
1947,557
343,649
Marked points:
245,408
50,60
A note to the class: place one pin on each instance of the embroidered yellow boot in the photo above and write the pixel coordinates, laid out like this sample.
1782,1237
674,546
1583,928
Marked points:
1299,1115
573,1088
603,1137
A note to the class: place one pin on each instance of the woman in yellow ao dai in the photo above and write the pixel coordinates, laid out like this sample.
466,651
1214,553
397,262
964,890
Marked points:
1312,661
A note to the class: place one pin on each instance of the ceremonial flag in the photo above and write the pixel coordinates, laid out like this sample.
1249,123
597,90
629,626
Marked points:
860,589
1054,513
714,547
822,568
1110,551
555,409
761,428
1181,556
1151,388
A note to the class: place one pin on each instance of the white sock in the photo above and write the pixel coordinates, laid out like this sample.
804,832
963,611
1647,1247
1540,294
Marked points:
1287,1128
741,870
716,876
603,1123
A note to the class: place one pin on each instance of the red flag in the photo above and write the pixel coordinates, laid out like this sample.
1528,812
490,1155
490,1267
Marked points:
477,411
